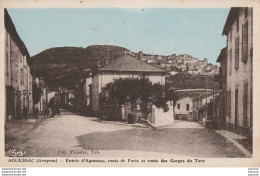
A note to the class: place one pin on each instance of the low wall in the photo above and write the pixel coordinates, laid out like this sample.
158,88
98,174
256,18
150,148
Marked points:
187,117
162,118
112,112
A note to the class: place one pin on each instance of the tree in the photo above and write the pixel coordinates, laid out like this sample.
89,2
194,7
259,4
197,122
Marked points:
171,95
114,93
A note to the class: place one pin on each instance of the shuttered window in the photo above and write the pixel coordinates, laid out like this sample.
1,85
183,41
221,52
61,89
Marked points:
230,61
230,35
21,77
245,42
237,24
228,96
245,103
237,53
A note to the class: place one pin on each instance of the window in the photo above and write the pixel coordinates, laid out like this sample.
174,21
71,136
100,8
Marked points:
230,61
245,42
237,53
245,103
230,35
178,106
187,107
21,77
228,95
237,24
246,12
251,53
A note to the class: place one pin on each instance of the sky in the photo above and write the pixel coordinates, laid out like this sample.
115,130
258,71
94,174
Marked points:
163,31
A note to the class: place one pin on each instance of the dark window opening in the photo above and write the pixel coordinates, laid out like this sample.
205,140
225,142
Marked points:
187,107
237,53
237,24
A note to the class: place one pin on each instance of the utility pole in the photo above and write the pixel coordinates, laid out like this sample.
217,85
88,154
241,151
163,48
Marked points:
207,98
213,94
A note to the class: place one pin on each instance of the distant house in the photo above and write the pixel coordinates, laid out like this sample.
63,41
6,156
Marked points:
150,61
123,67
42,104
83,95
173,72
183,108
198,102
50,94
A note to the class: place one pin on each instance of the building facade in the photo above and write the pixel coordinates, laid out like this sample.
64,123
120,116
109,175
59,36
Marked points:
123,67
198,102
239,32
183,109
83,96
222,79
18,77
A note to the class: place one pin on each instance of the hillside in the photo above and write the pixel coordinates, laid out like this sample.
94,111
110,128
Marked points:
66,66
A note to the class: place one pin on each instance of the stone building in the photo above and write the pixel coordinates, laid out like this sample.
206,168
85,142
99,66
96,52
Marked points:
239,31
123,67
222,79
18,78
43,100
83,95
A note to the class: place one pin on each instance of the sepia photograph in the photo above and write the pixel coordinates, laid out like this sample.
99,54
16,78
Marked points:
135,83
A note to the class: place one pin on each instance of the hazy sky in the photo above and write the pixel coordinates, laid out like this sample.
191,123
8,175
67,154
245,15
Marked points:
197,32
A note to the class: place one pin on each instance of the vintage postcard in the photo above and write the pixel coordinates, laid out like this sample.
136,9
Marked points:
135,83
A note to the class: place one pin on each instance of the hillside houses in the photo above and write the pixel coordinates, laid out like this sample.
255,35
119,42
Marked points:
179,63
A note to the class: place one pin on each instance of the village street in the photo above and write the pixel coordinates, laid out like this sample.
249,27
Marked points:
76,135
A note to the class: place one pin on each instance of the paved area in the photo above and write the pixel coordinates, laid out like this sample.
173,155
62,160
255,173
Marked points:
233,138
75,135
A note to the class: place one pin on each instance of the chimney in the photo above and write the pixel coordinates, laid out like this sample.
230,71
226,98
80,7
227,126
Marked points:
140,55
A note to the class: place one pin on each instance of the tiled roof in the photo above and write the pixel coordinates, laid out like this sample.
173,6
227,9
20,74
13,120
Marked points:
129,63
233,14
222,55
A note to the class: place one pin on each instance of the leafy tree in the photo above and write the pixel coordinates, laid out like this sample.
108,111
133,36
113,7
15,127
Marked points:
116,92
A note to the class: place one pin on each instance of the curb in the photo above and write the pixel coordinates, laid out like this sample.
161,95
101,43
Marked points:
239,146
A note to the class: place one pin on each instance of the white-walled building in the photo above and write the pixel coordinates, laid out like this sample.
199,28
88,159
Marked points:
123,67
183,108
239,32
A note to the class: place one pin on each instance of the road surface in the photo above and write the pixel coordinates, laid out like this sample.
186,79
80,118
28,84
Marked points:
73,135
